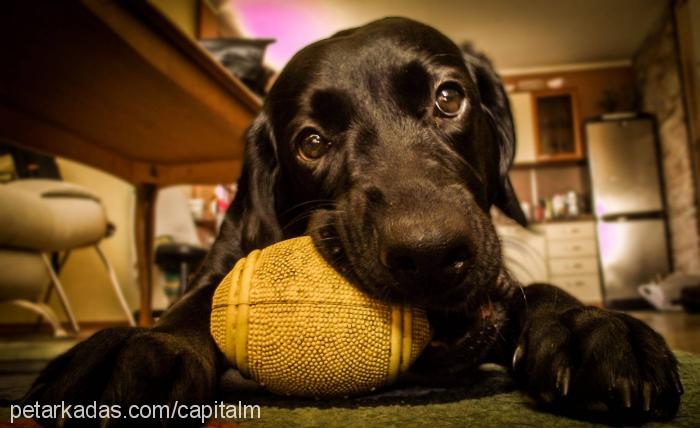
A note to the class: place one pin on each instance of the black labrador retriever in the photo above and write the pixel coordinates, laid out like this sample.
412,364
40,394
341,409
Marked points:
388,145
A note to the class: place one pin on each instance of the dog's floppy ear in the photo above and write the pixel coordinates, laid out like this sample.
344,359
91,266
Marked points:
496,106
254,207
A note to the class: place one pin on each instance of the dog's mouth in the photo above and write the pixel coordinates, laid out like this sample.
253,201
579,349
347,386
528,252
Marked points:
353,257
325,232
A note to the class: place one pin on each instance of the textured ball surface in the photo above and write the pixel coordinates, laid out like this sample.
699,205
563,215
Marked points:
288,320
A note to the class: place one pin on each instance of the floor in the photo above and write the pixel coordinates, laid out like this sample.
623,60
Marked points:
22,356
681,330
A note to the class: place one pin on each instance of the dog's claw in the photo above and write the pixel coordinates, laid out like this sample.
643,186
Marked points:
517,355
679,385
626,391
563,380
646,396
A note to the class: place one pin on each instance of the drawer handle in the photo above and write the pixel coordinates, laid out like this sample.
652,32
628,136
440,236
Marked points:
576,265
575,247
579,283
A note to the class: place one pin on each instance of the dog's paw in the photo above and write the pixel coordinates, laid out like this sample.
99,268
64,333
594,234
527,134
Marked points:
125,369
595,361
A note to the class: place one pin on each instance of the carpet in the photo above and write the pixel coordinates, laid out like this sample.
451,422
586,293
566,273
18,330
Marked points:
491,401
475,406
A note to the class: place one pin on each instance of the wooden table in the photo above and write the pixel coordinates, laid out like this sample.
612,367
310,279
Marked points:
115,85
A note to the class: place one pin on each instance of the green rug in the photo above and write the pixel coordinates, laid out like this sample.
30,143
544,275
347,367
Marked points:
481,405
446,408
35,349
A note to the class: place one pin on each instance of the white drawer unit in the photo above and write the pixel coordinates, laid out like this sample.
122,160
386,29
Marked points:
572,248
573,266
564,254
586,288
569,230
572,258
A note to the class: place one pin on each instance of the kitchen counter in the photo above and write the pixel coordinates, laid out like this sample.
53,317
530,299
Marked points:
584,217
501,220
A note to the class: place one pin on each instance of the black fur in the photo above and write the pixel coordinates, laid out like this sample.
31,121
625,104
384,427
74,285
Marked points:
401,186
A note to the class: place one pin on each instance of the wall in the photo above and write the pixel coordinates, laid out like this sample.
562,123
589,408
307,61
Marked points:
687,20
591,86
694,18
658,79
84,277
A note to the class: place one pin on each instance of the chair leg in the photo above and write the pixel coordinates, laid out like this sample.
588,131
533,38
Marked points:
61,263
49,287
45,312
184,273
115,284
61,294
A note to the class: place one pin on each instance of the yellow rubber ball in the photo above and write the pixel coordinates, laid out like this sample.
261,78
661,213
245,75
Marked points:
285,318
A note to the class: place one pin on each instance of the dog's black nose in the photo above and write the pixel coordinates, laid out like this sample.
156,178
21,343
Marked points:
427,254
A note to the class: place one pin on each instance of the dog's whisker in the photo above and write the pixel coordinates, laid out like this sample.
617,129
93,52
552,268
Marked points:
303,216
330,202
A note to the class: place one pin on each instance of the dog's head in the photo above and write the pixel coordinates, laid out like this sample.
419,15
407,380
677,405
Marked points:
388,145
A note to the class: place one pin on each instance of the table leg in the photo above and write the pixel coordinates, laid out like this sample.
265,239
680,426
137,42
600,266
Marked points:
144,224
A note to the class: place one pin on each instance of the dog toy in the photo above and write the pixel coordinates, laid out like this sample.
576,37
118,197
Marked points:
285,318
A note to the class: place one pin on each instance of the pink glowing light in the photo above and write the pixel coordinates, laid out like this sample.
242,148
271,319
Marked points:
293,23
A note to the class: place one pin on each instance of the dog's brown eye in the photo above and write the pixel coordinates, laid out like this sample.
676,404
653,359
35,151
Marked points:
313,146
449,101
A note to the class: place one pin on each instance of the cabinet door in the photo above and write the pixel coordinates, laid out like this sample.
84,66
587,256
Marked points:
521,107
572,248
567,230
557,125
573,266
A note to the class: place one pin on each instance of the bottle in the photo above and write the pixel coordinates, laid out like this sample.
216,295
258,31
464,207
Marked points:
558,206
539,211
572,204
548,212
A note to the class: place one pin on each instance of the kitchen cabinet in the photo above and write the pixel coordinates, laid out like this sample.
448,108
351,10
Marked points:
562,253
585,287
572,258
547,126
556,123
